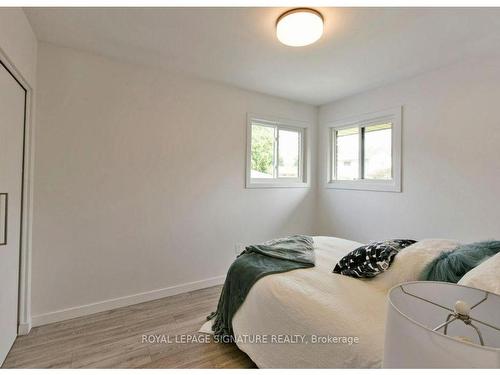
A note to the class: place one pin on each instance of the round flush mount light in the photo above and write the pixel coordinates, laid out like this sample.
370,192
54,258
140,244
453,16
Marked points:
299,27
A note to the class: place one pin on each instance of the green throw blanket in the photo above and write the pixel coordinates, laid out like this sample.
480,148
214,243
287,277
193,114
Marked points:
255,262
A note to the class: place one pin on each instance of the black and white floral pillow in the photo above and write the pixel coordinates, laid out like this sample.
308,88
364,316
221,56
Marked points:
370,260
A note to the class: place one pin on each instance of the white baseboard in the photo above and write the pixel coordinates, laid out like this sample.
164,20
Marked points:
24,328
77,311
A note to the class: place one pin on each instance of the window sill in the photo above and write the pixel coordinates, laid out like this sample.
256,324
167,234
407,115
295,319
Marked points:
271,185
380,185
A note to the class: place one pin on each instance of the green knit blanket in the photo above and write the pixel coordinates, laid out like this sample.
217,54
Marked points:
255,262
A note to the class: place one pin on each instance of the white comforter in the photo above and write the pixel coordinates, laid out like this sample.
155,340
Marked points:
314,301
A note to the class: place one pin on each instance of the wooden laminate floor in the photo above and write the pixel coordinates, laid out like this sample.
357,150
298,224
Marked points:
114,339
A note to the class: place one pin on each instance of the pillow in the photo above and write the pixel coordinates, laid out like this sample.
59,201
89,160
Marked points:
451,266
486,276
370,260
409,263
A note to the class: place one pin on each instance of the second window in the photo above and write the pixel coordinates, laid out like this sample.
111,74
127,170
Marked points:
365,153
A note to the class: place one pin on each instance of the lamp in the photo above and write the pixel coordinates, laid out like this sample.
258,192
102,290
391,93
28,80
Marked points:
441,325
299,27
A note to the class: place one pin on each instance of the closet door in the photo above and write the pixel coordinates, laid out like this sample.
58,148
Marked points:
12,109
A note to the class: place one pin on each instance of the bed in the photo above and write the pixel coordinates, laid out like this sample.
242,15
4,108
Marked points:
315,303
311,302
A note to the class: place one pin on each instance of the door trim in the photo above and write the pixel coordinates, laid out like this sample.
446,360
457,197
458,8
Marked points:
24,308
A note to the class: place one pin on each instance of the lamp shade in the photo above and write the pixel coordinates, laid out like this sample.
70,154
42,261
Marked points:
431,325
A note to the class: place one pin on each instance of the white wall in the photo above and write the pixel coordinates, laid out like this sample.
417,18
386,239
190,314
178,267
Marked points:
451,160
18,42
140,176
140,181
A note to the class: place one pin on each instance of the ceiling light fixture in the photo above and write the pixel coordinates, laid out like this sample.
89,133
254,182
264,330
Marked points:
299,27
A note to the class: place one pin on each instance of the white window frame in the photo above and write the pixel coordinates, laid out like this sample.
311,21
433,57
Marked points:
279,182
392,115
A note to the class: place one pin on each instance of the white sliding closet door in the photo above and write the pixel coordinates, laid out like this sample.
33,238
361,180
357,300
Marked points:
12,109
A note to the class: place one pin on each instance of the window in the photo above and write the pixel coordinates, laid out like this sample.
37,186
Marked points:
275,153
365,152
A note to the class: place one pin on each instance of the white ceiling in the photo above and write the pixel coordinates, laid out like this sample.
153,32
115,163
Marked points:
362,48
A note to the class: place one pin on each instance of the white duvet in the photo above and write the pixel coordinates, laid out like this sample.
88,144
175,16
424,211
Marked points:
315,303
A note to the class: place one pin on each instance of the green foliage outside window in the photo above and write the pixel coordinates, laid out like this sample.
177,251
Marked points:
262,149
